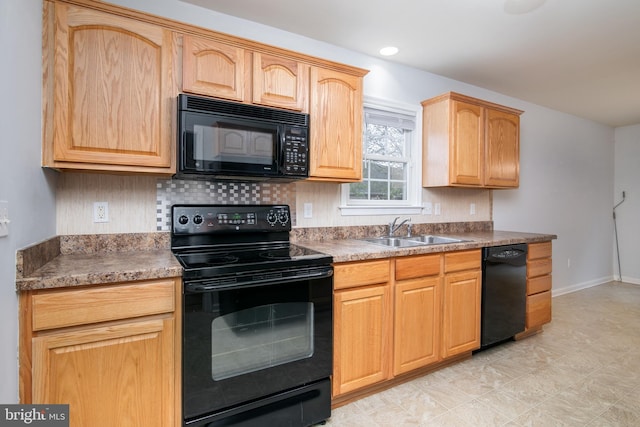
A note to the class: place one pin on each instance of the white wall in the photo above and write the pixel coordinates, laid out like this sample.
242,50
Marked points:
566,180
627,179
23,183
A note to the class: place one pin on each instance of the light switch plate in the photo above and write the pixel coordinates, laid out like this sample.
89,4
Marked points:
4,218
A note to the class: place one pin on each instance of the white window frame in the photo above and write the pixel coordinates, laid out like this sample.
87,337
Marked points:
413,203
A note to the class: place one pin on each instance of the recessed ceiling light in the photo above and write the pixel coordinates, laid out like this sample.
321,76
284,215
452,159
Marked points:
388,51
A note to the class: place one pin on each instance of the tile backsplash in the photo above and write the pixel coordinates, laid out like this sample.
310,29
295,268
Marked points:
177,191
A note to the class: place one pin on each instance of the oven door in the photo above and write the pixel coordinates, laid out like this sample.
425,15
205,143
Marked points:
219,145
245,343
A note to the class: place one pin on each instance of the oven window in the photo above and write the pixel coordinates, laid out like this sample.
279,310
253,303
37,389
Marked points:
234,144
261,337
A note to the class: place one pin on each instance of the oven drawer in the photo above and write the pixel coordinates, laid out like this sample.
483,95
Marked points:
62,308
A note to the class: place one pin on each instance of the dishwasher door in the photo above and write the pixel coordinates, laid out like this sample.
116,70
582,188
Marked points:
504,292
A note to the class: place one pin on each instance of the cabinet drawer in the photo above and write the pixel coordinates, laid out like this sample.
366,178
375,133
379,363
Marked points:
417,266
61,308
539,267
465,260
539,250
538,309
360,274
535,285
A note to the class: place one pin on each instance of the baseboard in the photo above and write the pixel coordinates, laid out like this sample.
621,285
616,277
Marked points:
580,286
631,280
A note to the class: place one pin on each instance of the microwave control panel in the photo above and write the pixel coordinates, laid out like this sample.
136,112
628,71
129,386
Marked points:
295,151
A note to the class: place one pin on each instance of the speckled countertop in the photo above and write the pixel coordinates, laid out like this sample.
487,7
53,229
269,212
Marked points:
67,261
344,250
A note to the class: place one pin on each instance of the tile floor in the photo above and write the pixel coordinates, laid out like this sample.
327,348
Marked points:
583,370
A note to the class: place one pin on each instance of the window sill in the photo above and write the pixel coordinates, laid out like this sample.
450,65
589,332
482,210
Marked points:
380,210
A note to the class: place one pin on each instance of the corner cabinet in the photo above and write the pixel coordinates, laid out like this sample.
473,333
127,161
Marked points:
111,352
109,92
468,142
336,126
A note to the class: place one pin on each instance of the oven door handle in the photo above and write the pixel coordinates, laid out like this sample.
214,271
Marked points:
263,280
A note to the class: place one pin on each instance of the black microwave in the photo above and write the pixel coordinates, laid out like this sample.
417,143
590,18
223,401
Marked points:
233,141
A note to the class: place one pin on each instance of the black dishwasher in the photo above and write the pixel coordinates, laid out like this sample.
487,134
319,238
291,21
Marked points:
504,293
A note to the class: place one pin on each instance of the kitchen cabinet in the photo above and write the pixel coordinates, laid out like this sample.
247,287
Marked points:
223,70
539,267
362,325
461,302
468,142
109,92
336,125
110,351
417,314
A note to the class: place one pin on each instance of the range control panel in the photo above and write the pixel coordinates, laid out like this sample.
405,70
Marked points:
204,219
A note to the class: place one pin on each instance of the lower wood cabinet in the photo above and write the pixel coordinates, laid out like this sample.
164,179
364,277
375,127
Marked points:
362,326
417,323
111,352
397,315
461,306
539,265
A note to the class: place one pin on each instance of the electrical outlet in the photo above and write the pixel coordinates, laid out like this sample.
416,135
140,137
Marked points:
100,212
308,210
428,208
472,209
438,209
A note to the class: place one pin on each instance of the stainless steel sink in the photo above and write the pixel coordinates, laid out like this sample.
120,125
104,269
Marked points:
407,242
394,242
429,239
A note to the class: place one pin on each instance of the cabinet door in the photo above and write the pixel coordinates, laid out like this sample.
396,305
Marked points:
417,324
502,149
336,126
362,338
113,92
467,144
112,375
280,82
461,317
215,69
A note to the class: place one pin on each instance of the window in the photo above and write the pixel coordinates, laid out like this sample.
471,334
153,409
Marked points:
388,176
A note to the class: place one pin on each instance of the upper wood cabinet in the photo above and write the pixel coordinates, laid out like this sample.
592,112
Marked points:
468,142
280,82
336,126
227,71
109,92
215,69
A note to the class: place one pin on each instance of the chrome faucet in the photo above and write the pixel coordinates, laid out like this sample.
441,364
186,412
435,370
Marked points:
393,227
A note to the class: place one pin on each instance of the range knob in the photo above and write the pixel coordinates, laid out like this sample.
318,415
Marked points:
197,219
283,217
271,218
183,219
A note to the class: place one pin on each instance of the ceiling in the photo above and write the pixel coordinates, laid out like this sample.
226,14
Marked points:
581,57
